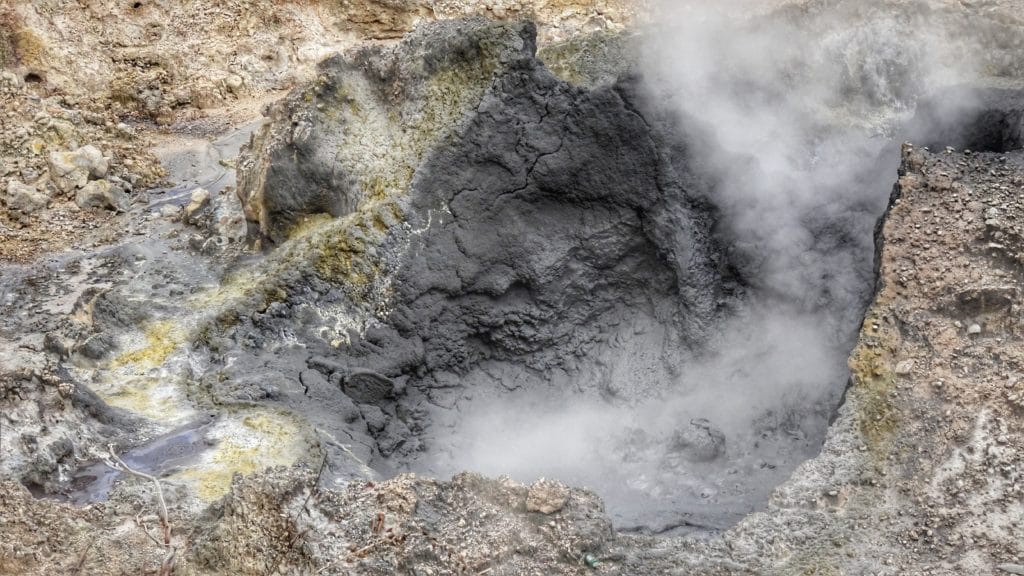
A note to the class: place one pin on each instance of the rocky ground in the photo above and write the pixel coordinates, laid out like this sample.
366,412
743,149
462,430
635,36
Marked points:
269,355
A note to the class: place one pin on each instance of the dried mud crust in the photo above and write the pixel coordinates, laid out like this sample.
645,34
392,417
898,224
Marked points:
954,273
407,525
64,228
45,537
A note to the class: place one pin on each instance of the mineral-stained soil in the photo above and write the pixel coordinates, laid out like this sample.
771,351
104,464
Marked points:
444,215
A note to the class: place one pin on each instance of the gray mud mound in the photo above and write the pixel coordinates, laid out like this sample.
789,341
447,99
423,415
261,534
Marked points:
530,266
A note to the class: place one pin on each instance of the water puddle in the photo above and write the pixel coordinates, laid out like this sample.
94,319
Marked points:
161,457
198,163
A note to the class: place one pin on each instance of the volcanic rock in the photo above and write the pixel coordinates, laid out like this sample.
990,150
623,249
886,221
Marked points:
71,170
699,441
23,198
198,201
101,194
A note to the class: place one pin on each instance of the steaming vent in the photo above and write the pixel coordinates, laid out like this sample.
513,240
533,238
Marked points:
969,118
648,285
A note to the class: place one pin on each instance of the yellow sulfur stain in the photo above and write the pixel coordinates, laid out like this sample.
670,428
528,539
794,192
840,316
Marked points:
29,47
255,289
255,442
162,339
154,398
230,290
308,224
871,366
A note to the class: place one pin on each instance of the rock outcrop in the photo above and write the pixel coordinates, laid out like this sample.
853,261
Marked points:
101,194
71,170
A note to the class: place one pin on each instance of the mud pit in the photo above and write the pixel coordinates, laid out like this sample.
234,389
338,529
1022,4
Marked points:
547,297
470,262
556,285
555,294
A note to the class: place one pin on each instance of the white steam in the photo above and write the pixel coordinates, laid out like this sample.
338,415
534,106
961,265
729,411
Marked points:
791,116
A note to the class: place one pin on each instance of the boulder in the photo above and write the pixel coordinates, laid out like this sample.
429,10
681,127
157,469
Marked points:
228,217
699,441
200,200
101,194
170,211
72,170
24,198
10,78
234,84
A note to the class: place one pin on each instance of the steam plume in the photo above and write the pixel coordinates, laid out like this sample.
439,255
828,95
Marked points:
791,117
